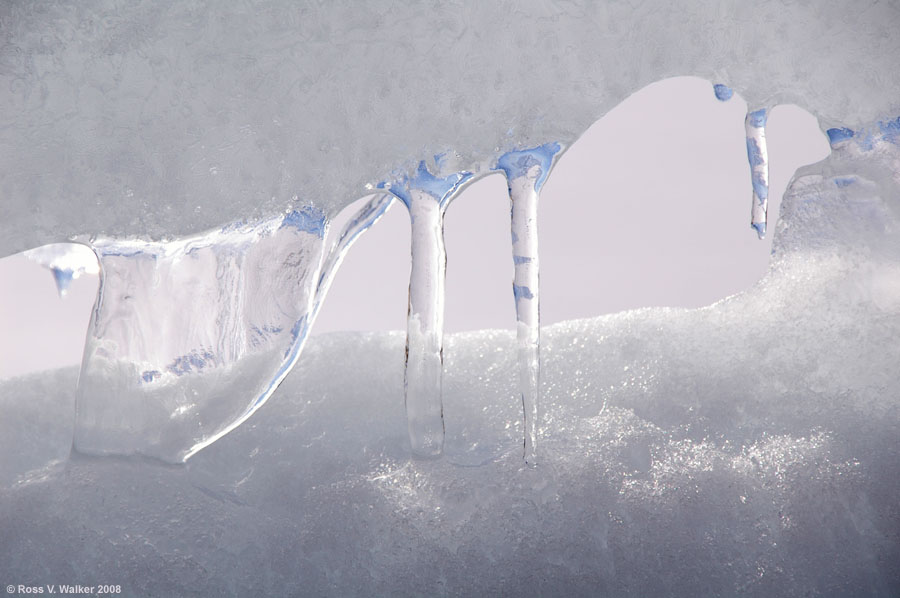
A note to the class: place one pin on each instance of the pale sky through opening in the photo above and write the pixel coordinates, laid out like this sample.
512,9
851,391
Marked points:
651,207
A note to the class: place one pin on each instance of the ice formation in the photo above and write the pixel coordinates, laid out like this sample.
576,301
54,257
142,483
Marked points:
426,197
526,171
758,156
746,448
222,318
189,337
65,261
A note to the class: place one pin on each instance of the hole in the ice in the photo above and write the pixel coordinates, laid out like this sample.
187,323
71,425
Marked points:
651,207
370,289
45,306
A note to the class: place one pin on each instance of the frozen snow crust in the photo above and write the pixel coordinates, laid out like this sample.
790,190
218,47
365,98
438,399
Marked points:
748,448
160,119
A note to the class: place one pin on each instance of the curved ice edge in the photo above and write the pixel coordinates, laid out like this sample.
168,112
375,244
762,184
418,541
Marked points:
364,219
230,242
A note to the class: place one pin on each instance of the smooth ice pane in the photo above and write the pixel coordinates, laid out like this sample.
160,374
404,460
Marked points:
190,337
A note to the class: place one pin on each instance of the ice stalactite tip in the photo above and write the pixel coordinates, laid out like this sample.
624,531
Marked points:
66,262
723,92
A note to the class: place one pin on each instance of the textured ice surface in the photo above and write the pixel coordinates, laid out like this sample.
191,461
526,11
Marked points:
189,337
124,118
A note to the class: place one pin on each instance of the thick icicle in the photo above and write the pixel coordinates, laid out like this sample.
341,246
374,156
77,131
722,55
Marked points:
758,155
426,197
526,172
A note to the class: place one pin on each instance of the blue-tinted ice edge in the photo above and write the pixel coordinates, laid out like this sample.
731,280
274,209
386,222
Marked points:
723,92
517,163
440,188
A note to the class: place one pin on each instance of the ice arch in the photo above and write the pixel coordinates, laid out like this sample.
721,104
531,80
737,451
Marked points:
672,146
177,119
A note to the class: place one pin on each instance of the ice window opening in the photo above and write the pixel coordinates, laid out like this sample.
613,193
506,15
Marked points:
651,206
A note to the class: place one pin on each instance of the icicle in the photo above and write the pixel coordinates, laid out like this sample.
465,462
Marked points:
63,278
426,197
755,125
526,172
66,262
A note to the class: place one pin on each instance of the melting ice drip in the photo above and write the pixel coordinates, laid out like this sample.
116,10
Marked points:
66,262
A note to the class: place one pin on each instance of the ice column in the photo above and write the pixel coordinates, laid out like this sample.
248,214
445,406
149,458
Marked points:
755,125
526,172
426,197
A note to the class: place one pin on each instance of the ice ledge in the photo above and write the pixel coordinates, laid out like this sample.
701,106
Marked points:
174,120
